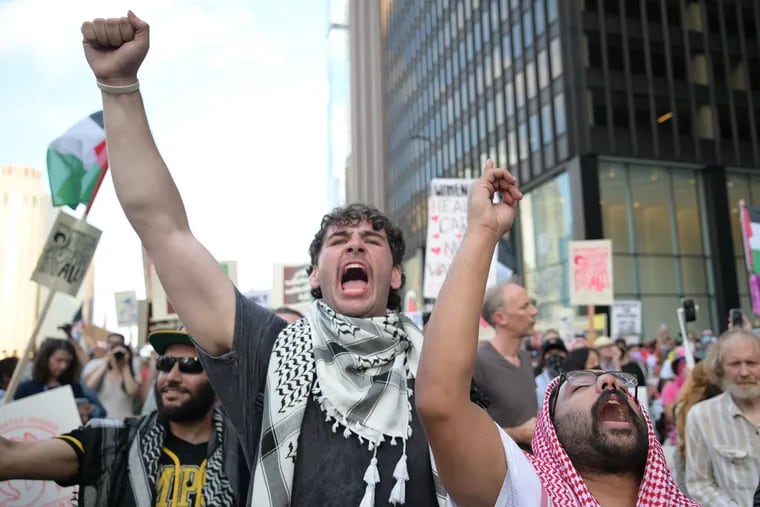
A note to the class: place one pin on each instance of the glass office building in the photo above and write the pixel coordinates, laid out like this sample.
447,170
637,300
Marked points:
635,121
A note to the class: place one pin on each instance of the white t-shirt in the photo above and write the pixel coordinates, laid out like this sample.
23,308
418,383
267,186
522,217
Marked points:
521,487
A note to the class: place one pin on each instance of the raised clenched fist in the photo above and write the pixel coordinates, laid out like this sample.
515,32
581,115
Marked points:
115,48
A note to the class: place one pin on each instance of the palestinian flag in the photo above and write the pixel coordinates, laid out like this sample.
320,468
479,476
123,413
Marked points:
751,234
76,161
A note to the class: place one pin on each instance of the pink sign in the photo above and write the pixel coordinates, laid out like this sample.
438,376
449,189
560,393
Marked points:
591,272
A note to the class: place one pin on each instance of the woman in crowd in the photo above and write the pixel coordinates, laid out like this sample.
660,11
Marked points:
696,388
56,365
115,382
584,358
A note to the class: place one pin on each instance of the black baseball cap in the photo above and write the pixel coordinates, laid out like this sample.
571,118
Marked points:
162,339
553,344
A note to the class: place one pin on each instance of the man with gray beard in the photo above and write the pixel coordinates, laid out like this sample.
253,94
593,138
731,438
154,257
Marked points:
184,453
722,443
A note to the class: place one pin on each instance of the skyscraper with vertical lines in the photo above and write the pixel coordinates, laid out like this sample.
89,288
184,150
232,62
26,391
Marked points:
633,120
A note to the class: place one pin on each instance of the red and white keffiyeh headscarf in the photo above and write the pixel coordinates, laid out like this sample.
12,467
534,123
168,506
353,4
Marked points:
565,486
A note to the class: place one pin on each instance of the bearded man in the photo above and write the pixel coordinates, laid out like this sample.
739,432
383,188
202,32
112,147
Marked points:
722,444
593,444
184,453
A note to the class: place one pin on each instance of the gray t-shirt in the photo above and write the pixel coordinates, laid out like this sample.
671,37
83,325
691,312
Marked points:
510,390
329,468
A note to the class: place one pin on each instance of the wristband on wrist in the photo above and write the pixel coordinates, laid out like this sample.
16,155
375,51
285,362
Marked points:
119,90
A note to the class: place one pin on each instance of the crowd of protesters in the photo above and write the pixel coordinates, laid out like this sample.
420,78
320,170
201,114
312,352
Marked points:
352,405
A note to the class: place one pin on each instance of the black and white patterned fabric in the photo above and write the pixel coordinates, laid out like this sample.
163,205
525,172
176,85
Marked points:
357,369
217,489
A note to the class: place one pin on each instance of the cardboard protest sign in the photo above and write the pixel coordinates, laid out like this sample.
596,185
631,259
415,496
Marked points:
66,255
38,417
447,223
591,272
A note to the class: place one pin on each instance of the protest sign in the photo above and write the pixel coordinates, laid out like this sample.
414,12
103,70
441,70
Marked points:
66,255
447,222
126,308
591,272
38,417
626,319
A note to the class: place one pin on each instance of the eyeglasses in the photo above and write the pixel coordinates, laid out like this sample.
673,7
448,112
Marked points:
190,365
588,378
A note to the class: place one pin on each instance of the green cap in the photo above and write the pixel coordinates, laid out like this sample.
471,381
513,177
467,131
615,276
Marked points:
162,339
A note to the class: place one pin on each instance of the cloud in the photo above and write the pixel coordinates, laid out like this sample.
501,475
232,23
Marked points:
237,104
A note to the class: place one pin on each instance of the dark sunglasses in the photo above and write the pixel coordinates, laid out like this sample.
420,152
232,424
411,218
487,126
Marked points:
587,378
186,364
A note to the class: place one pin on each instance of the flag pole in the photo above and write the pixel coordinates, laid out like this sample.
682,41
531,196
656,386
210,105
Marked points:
24,359
95,192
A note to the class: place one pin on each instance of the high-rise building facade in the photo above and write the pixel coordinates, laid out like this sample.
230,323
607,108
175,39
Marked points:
24,213
632,120
367,164
339,102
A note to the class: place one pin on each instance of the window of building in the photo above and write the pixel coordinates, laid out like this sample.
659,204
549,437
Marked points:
615,51
516,39
501,158
530,75
535,135
620,110
485,26
655,218
490,115
497,63
556,58
560,123
471,45
543,69
506,46
636,55
528,28
546,227
512,138
520,89
538,16
551,9
509,93
522,138
546,123
499,108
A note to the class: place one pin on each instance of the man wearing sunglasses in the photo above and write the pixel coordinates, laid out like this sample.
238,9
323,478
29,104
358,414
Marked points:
593,444
184,453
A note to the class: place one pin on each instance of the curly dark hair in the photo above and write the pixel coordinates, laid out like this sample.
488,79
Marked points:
354,214
41,370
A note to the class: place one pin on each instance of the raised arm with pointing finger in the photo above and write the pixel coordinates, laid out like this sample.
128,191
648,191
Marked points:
197,286
593,443
465,441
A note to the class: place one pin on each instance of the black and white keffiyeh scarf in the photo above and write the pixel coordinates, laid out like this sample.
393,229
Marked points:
357,369
145,462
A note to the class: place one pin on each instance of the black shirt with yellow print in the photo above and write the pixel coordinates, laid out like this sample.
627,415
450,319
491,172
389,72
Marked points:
182,473
103,449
